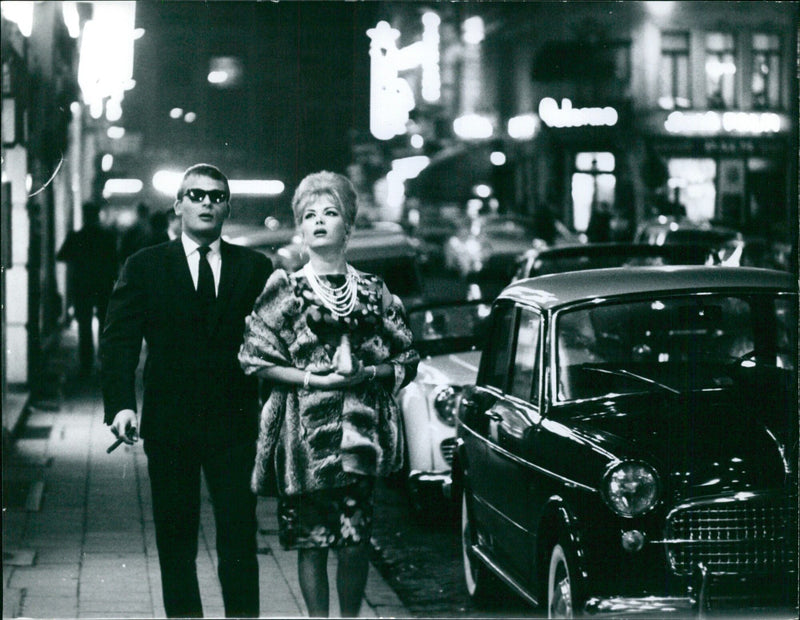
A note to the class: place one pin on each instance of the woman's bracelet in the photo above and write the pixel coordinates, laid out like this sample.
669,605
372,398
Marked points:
306,379
374,373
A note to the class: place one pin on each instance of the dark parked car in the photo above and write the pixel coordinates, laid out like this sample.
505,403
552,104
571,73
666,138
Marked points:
579,257
630,443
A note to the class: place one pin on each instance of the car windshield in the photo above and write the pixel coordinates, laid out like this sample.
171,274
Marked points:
674,344
448,328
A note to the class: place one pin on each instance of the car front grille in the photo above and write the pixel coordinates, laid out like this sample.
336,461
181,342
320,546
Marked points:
749,536
447,447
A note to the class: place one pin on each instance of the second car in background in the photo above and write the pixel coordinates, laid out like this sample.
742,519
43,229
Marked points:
449,338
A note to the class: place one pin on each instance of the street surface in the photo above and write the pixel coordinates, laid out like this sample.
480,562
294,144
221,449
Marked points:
421,560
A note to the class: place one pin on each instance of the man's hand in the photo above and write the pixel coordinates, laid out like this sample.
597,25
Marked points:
126,427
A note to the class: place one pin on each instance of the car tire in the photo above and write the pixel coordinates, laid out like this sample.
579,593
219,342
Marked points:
563,599
482,585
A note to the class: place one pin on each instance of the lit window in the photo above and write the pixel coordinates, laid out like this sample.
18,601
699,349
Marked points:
720,71
674,75
766,83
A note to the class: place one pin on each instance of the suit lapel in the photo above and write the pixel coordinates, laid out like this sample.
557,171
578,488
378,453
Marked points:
228,280
178,268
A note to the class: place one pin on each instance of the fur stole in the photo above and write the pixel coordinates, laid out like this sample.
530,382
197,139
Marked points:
304,433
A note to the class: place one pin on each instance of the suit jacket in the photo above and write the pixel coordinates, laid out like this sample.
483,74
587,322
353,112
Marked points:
194,388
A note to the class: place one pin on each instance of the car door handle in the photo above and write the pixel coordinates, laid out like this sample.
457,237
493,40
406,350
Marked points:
493,415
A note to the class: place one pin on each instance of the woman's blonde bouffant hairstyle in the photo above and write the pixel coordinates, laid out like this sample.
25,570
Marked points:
336,186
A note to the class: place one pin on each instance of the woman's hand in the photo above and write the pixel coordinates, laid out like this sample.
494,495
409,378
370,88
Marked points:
335,380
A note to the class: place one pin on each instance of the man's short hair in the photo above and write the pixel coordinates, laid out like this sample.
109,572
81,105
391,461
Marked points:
203,170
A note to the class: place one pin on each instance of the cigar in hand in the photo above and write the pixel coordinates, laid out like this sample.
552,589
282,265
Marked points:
114,445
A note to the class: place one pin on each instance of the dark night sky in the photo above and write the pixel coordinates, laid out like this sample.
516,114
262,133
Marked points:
305,85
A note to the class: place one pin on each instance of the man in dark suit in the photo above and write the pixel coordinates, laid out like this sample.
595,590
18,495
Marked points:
188,298
91,255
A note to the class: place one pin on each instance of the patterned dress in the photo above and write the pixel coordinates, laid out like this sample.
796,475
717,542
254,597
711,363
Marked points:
324,448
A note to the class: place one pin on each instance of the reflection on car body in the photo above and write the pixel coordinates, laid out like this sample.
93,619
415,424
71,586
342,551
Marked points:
631,443
449,337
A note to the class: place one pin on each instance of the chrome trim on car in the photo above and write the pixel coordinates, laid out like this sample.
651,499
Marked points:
741,534
547,472
509,580
617,605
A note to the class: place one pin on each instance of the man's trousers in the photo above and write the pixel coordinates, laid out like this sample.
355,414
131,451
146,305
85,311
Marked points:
175,483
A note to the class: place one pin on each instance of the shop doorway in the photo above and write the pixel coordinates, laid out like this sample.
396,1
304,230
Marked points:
766,213
593,187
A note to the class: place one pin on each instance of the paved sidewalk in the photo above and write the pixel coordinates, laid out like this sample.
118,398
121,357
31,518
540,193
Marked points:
78,537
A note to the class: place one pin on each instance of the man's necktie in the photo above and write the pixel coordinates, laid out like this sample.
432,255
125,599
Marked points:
205,279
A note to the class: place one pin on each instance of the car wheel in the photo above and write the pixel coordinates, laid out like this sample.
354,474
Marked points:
562,587
481,584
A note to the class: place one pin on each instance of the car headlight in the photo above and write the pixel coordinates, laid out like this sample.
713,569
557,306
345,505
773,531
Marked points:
445,403
630,488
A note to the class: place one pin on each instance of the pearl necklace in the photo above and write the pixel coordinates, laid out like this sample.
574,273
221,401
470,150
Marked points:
340,300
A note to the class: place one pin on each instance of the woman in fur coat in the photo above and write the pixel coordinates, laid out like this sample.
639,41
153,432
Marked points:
334,347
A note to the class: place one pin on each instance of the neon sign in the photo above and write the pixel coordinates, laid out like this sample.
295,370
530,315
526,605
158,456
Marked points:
728,122
391,97
567,116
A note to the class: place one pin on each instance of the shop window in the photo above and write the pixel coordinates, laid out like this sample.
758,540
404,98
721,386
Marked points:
720,70
674,89
766,84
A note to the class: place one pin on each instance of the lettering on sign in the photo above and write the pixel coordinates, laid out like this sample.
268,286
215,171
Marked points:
567,116
725,122
391,96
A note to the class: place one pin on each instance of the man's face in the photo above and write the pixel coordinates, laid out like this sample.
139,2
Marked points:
203,207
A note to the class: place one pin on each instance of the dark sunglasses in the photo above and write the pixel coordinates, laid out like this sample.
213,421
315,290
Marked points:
215,195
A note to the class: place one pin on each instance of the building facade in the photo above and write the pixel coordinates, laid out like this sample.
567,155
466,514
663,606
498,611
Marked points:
637,107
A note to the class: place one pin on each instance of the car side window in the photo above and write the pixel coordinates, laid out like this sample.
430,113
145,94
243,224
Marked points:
526,367
496,357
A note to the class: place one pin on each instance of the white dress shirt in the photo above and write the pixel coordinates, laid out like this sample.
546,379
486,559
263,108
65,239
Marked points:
193,258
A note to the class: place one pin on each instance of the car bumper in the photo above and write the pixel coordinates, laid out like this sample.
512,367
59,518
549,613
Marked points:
709,596
439,482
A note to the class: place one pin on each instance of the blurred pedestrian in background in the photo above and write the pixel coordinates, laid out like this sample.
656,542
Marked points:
139,235
188,299
91,256
159,227
173,225
599,229
334,346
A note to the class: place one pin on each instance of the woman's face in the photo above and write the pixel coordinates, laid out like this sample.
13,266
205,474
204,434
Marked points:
322,225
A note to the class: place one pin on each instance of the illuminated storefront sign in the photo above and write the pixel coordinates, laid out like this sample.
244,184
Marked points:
567,116
711,122
391,97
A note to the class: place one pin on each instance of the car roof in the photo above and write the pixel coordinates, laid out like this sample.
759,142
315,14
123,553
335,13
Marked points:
554,290
634,250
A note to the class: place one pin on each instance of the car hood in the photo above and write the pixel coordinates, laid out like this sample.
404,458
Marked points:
451,368
702,443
